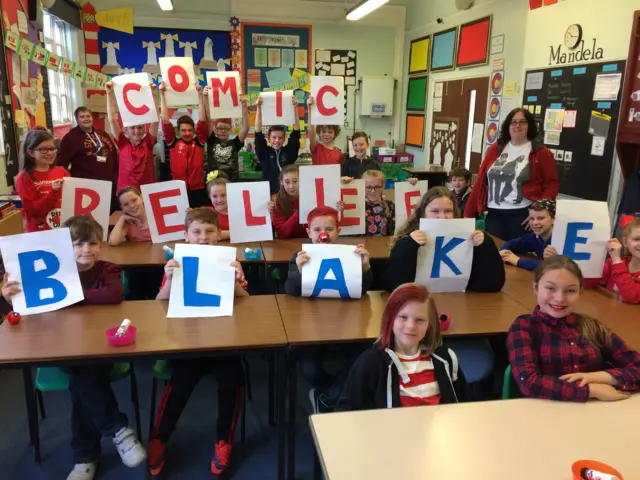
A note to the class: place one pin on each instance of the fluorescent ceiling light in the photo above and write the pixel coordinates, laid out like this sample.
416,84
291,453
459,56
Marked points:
165,4
363,8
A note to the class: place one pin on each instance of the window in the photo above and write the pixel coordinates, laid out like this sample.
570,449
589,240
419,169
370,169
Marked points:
55,40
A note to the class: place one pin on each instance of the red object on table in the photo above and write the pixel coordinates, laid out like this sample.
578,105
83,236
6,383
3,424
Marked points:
14,318
445,321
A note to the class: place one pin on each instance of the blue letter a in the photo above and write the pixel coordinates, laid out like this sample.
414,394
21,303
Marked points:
323,283
193,298
572,239
34,281
440,255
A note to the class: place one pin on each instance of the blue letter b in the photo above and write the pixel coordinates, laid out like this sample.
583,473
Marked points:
35,281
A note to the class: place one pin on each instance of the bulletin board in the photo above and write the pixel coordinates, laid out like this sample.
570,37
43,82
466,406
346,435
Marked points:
582,137
337,63
271,55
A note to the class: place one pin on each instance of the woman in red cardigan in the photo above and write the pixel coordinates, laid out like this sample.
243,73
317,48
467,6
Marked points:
517,171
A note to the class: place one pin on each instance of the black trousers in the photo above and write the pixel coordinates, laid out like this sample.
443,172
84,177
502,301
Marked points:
506,224
94,410
184,377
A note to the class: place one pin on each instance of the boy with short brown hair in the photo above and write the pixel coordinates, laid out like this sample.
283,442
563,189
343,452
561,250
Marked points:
461,183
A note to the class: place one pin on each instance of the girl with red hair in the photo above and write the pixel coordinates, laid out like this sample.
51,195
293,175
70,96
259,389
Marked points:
408,365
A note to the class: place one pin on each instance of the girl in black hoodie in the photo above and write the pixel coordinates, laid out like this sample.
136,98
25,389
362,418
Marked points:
487,269
408,365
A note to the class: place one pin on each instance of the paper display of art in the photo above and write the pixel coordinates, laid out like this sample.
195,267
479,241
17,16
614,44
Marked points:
414,131
473,43
419,55
494,108
492,132
417,93
443,50
444,142
337,63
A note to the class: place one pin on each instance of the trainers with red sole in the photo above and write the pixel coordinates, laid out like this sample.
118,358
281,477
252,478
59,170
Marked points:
157,451
220,460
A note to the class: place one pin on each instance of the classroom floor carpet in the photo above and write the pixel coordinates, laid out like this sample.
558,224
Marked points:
190,447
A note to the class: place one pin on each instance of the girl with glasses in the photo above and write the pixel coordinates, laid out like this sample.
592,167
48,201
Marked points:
517,171
39,184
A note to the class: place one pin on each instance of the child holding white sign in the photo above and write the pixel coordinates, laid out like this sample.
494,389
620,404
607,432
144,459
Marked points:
39,184
324,152
95,412
621,274
487,270
217,191
408,364
201,227
557,354
275,156
186,157
285,207
136,163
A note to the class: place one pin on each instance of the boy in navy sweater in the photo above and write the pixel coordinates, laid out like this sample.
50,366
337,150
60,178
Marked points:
273,158
541,216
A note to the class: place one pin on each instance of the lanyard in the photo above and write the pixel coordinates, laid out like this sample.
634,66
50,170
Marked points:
98,145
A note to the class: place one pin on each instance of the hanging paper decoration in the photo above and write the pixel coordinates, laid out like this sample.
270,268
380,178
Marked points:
494,108
497,80
235,43
492,132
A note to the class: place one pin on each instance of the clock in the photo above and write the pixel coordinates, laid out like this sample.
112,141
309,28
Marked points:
573,36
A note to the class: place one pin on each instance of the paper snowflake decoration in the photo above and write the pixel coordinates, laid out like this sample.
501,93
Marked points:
234,21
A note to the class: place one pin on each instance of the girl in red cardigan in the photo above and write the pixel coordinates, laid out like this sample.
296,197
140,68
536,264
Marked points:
516,172
39,184
285,207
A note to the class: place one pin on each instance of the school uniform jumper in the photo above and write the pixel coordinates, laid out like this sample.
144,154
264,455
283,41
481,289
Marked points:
272,161
186,160
529,243
288,227
543,348
376,377
617,278
137,163
40,202
94,410
321,155
462,198
354,167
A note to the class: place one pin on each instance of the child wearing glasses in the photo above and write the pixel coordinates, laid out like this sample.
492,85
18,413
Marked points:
39,184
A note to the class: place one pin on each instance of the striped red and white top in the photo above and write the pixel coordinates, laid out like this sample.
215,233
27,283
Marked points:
422,387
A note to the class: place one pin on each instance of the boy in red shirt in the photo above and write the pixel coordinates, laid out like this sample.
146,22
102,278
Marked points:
201,228
137,165
324,152
186,158
95,412
39,184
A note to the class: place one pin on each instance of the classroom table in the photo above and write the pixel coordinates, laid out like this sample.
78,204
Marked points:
435,178
522,439
78,334
11,224
281,250
326,321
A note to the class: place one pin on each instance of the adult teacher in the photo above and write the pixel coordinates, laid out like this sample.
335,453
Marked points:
516,171
89,153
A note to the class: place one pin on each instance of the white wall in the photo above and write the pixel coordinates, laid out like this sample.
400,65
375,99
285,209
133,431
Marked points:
509,18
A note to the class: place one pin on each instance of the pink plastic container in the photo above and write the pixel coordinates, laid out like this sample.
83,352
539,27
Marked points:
445,321
385,158
404,158
128,338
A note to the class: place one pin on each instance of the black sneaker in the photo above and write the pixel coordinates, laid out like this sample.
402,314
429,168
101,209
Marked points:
317,403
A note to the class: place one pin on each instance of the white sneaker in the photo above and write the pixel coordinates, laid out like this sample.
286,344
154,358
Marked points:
83,471
130,449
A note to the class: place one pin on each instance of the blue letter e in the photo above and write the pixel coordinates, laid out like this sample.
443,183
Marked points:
572,239
323,283
35,279
440,256
193,298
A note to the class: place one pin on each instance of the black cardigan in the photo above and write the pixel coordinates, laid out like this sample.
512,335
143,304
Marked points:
487,269
366,387
354,167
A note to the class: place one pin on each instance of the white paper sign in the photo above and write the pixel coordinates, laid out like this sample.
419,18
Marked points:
203,286
82,196
320,185
180,79
444,263
328,106
582,238
277,108
135,99
45,266
353,221
166,204
224,97
249,217
334,271
407,196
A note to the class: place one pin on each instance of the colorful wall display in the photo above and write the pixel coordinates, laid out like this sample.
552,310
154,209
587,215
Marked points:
473,43
443,50
414,132
419,55
417,93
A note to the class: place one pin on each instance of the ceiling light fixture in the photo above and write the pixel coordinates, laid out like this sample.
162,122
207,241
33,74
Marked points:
364,8
165,4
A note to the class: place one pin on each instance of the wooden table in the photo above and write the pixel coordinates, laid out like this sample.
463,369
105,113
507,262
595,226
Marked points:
512,439
138,254
11,224
317,321
434,178
78,333
281,250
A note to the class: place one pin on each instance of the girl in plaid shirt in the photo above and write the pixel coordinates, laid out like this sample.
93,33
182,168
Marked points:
557,354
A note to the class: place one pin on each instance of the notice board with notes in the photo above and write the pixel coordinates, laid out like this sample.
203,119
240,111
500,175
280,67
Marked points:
576,109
